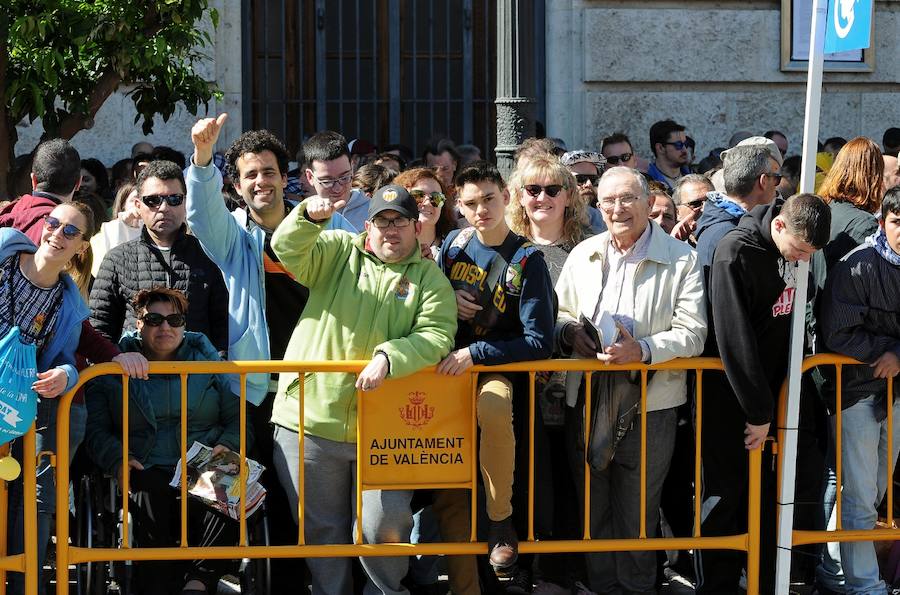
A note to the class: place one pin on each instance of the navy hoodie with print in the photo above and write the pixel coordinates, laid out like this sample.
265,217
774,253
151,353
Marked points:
519,312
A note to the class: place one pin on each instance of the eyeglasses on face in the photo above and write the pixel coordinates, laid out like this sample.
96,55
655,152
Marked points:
609,203
331,183
776,175
534,190
617,159
384,222
154,319
155,200
69,231
435,198
679,145
582,178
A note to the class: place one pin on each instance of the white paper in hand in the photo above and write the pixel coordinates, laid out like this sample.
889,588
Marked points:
604,332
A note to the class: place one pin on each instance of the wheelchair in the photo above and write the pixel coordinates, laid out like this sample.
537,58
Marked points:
98,524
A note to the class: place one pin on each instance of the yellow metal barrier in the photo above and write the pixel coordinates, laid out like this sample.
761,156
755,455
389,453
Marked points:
26,562
805,537
66,554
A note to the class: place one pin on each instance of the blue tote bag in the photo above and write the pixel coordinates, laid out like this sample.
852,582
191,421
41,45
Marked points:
18,371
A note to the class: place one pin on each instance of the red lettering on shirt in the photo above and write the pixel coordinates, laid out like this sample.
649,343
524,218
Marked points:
785,303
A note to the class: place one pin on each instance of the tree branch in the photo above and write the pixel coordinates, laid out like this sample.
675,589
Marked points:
73,123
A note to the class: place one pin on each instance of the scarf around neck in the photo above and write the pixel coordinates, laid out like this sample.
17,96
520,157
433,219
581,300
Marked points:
878,240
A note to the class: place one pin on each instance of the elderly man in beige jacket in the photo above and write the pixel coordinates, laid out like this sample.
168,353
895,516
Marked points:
647,288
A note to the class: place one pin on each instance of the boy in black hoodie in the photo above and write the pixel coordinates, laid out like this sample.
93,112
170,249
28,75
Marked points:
751,293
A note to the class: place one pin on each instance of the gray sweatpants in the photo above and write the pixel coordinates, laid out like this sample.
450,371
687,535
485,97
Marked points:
330,513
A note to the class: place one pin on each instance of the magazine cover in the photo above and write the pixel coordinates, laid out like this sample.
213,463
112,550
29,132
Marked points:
216,480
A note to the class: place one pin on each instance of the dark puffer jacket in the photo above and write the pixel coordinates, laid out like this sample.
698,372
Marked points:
140,264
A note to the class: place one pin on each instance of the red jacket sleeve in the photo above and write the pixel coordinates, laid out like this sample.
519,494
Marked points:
95,347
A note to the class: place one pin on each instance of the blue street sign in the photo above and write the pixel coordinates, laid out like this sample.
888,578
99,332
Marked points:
848,25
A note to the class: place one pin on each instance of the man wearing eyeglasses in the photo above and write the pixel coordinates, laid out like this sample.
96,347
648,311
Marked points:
330,173
372,297
672,155
164,255
751,173
650,284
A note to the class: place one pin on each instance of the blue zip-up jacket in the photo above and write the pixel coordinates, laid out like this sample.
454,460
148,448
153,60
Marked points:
238,251
720,215
59,350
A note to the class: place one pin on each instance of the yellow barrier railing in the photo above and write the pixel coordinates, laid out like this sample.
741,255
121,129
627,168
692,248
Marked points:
806,537
25,562
67,554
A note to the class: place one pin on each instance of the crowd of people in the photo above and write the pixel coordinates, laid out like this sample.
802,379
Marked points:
442,261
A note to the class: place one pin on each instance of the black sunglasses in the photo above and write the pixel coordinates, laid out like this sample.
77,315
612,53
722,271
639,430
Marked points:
582,178
534,190
695,204
154,200
153,319
679,145
70,231
616,159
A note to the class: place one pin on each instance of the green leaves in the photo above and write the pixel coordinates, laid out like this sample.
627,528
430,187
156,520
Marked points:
67,56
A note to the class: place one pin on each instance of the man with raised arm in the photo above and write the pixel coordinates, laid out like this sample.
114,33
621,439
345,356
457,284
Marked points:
371,296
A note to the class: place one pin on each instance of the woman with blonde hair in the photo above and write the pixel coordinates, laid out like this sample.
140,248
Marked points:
546,208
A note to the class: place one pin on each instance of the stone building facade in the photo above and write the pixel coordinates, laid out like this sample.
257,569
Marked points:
611,65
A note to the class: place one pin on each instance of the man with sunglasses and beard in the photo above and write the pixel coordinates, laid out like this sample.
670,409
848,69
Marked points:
165,255
670,150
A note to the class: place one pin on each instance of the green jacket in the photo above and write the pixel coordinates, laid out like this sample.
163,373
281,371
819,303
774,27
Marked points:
358,305
154,411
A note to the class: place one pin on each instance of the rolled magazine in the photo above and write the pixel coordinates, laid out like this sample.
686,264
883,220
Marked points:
216,480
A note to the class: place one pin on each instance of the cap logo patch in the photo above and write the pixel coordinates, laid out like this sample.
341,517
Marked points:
389,195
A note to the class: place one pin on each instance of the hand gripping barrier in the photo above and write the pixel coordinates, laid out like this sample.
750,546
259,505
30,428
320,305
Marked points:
66,554
805,537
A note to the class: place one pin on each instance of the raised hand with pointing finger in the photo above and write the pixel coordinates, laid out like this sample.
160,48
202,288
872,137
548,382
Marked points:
204,135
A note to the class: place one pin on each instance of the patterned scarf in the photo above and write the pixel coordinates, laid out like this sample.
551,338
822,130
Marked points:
878,240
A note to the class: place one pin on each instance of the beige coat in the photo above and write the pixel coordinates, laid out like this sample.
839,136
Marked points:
669,306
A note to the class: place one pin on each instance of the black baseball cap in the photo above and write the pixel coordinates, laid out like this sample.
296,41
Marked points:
393,198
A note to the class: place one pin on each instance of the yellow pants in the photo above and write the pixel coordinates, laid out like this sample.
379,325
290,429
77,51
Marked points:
497,447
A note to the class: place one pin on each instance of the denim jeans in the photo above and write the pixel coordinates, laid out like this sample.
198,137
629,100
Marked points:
864,478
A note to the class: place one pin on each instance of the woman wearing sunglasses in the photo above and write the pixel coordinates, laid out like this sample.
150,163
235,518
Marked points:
154,441
38,297
547,208
424,185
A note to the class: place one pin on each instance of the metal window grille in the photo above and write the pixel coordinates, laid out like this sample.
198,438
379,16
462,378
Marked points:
387,71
